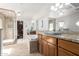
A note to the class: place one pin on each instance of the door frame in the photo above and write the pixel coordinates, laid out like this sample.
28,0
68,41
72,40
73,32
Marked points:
23,28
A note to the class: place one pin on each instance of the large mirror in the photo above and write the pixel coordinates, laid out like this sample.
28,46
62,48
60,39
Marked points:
52,24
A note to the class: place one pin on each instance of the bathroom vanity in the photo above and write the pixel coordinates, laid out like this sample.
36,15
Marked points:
58,45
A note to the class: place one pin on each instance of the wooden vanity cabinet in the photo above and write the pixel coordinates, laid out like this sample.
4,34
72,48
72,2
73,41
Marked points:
63,52
68,48
47,45
40,43
52,51
49,49
53,46
45,48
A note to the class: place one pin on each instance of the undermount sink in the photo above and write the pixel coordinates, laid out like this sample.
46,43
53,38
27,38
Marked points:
53,33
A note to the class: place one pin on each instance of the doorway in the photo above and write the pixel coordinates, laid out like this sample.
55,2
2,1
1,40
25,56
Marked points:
19,29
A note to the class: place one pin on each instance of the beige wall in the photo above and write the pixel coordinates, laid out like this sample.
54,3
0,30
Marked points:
7,31
9,28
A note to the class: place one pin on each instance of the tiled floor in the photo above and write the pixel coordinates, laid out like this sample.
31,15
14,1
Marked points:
21,48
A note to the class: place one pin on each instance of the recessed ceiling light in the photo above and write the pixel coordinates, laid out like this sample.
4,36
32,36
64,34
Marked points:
57,4
19,14
61,6
53,8
61,13
77,23
33,21
67,3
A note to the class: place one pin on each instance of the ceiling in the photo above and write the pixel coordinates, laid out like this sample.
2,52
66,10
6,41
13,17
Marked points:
30,11
65,9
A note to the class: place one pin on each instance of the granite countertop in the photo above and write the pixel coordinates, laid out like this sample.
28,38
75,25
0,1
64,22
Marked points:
69,37
73,38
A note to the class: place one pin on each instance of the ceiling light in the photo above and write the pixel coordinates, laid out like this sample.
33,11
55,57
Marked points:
33,21
77,23
53,8
67,3
19,14
61,6
57,4
61,13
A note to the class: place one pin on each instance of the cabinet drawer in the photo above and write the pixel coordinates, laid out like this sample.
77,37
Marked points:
51,40
41,46
62,52
70,46
52,50
43,37
39,36
45,48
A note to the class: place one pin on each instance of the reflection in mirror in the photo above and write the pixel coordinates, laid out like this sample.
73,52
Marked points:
52,24
51,27
61,25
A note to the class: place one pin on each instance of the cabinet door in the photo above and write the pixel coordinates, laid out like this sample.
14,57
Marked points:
41,46
45,48
52,51
68,45
62,52
40,43
39,36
